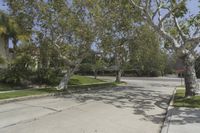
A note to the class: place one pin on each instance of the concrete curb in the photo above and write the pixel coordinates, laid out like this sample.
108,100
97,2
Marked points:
169,112
69,91
4,101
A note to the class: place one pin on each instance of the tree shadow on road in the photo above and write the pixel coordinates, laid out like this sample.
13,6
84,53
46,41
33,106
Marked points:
140,100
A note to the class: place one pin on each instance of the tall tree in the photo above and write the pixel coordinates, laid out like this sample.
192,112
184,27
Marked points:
62,25
153,62
4,35
183,36
114,25
9,29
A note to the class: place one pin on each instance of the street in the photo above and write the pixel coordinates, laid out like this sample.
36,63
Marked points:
139,107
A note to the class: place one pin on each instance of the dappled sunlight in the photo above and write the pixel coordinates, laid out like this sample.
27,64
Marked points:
140,100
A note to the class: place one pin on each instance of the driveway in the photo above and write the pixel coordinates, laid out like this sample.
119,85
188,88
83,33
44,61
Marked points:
138,107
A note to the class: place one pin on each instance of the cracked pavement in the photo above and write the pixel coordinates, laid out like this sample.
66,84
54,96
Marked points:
138,107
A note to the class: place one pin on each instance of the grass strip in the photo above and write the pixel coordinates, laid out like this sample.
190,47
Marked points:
182,101
31,92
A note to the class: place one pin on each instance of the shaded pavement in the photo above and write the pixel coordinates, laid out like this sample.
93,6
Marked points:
182,120
139,107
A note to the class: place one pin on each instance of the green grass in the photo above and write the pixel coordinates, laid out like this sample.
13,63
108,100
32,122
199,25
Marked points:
22,93
181,101
76,82
102,84
31,92
82,80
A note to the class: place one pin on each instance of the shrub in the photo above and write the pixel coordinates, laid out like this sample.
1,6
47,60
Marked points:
48,76
18,71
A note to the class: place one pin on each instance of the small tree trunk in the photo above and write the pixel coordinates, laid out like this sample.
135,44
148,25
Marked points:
118,76
191,84
64,82
95,74
3,49
14,47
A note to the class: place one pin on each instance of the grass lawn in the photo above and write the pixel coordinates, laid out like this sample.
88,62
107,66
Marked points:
29,92
81,80
75,82
181,101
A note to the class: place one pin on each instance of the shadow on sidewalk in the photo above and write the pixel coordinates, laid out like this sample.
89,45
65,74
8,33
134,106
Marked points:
182,116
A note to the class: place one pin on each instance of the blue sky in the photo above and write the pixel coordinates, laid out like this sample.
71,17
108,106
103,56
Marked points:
3,6
193,6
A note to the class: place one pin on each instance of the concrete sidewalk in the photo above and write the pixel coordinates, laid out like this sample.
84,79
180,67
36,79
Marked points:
182,120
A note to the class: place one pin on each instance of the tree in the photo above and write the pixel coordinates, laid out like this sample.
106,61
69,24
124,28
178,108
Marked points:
75,31
9,29
113,21
99,64
4,35
64,26
183,36
20,69
153,62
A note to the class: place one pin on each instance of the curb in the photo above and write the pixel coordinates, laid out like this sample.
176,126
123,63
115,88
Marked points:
4,101
169,112
69,91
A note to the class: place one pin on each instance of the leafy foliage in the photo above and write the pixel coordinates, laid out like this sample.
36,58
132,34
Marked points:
146,55
61,34
2,60
21,68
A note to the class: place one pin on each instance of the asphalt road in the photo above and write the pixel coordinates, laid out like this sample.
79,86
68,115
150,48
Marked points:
138,107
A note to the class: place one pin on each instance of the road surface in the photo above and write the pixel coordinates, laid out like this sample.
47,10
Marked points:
138,107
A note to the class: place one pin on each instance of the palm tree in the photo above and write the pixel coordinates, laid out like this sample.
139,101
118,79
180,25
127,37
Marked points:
9,29
4,35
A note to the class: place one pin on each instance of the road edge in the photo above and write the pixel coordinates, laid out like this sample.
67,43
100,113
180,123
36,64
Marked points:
169,112
76,89
4,101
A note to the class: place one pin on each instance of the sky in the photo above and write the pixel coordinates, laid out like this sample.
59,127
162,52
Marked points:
193,6
3,6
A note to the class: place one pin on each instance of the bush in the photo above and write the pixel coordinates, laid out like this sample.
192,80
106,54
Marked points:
19,71
85,69
2,60
48,76
16,75
155,73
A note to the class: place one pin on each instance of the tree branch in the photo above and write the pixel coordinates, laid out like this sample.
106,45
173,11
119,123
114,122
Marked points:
196,31
159,28
195,40
139,7
154,14
183,36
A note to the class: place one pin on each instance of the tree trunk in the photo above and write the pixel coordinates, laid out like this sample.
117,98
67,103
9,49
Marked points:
191,84
14,47
95,74
4,51
118,76
64,82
